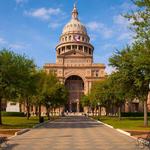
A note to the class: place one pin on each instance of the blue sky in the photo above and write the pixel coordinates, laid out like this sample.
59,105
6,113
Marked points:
33,27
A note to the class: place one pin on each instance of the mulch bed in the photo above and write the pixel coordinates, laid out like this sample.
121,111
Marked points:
138,133
8,132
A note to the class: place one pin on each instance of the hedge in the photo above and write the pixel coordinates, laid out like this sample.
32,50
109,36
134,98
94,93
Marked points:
133,114
16,114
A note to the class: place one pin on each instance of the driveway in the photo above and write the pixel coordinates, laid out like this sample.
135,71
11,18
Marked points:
72,133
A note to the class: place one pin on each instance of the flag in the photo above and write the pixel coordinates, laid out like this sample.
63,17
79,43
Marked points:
76,38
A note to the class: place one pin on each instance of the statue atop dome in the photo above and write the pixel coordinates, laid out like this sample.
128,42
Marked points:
75,12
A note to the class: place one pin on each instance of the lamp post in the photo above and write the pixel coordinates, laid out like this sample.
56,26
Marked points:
99,113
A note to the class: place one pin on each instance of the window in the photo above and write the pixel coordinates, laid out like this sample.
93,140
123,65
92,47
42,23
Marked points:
69,47
96,74
83,39
74,46
70,38
80,47
63,48
59,51
89,51
65,38
85,49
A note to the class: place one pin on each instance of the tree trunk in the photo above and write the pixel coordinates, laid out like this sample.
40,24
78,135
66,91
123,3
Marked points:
119,112
28,109
59,111
0,110
20,107
88,110
145,114
107,111
36,110
100,110
48,111
40,112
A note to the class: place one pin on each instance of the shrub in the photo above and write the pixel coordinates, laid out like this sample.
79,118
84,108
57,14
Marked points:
16,114
133,114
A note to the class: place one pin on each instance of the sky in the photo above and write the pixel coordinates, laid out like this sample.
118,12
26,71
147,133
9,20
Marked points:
33,27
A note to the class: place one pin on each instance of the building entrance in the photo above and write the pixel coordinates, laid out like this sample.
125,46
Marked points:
75,86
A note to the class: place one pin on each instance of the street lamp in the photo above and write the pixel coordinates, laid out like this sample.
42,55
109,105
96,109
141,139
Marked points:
99,113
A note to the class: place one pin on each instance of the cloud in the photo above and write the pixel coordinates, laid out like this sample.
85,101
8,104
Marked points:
100,28
17,46
109,69
94,25
121,21
2,41
124,36
127,6
122,27
54,25
43,13
108,46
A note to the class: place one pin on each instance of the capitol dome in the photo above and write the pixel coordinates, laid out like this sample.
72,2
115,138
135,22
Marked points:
74,36
74,25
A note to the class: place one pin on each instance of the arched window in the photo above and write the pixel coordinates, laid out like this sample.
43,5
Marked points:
66,38
59,51
70,38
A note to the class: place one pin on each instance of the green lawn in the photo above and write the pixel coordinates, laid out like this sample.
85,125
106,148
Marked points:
126,123
18,122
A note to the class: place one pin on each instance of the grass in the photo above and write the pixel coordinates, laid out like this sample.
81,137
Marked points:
19,122
126,123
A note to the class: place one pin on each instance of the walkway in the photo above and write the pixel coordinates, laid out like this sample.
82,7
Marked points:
72,133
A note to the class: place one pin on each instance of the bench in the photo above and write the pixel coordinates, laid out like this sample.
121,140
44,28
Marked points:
143,142
3,140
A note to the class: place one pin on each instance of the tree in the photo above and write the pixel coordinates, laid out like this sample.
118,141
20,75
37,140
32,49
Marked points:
14,70
140,20
85,101
133,63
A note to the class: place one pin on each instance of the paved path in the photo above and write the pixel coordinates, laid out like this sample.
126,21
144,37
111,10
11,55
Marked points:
72,133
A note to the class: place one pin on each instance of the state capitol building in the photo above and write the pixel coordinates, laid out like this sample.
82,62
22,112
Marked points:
74,62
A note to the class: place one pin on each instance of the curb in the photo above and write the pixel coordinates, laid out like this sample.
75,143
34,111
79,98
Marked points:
124,132
21,131
40,124
119,130
105,124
